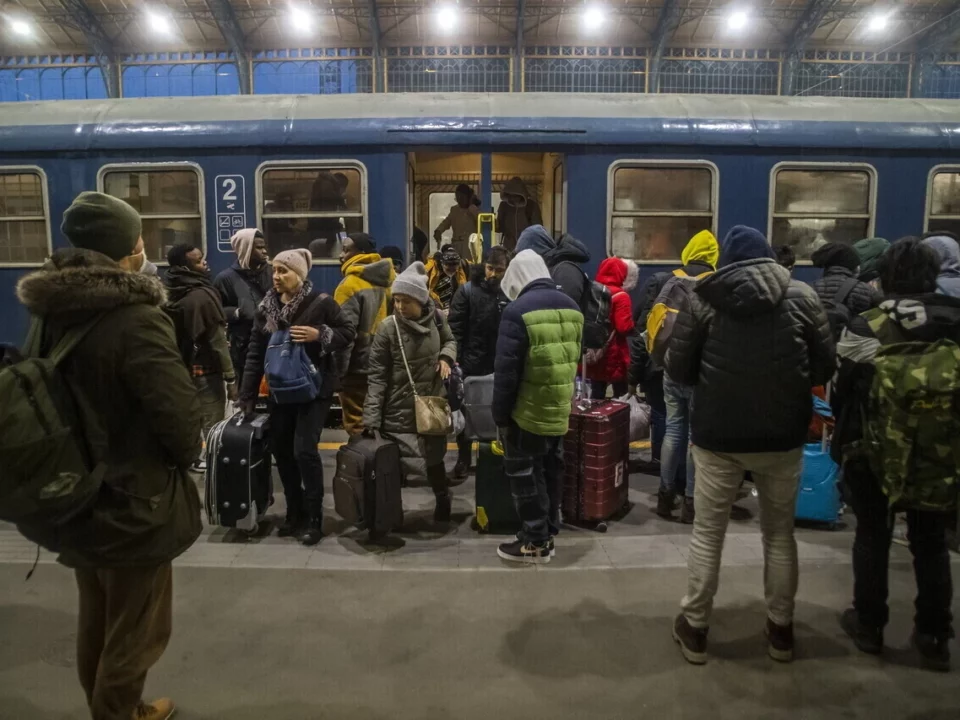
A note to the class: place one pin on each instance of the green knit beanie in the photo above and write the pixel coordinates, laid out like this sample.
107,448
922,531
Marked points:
102,223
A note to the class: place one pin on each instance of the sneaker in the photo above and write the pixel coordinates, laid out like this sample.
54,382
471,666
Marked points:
312,532
693,642
162,709
780,641
550,544
934,651
867,639
665,499
687,512
524,552
461,469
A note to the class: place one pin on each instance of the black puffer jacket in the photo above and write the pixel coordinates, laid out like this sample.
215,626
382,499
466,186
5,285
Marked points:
754,345
861,298
475,321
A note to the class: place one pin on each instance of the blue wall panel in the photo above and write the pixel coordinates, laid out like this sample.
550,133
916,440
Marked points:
180,80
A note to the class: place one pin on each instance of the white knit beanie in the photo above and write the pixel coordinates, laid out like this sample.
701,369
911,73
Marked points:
413,282
299,260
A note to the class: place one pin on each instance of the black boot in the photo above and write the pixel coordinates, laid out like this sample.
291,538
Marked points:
665,499
291,525
441,514
313,532
437,476
687,512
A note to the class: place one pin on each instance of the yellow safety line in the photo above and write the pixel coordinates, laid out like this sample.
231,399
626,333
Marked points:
641,445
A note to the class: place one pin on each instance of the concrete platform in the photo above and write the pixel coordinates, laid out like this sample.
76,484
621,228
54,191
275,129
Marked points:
433,625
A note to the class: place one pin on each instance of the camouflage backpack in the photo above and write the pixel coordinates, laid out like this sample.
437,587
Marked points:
912,424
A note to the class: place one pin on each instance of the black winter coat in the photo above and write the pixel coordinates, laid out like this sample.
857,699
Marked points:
565,263
241,292
315,311
861,298
475,321
754,345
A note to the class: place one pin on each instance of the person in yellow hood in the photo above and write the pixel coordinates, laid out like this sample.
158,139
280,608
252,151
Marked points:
364,299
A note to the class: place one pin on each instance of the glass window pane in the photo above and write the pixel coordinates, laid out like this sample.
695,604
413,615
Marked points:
159,235
946,194
805,235
440,204
311,190
21,195
664,189
320,235
944,224
156,192
23,241
822,191
655,238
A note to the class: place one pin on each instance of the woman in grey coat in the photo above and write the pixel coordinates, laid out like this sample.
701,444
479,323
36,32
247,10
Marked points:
389,406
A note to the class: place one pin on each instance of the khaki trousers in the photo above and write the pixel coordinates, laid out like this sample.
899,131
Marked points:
353,391
124,626
776,476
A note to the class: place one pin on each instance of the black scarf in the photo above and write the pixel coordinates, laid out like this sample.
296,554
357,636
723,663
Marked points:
279,315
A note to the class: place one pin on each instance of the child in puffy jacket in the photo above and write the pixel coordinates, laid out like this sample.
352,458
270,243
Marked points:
620,277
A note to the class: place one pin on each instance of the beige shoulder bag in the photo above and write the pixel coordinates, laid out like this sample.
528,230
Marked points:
432,412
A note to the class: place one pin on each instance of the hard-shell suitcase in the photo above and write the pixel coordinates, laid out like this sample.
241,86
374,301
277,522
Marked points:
238,483
477,410
496,510
596,452
367,484
818,497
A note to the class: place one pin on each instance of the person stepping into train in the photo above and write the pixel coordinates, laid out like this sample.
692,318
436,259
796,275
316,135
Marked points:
754,343
538,349
315,320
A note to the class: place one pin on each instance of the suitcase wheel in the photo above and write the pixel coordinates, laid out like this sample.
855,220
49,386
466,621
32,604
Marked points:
601,527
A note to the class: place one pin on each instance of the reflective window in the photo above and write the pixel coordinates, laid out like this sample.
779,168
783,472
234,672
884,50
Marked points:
814,206
24,239
944,202
658,208
168,200
311,207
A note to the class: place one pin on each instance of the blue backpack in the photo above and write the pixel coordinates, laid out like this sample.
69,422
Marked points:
291,374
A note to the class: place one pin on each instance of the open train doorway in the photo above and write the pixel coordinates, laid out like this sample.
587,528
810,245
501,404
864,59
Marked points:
508,190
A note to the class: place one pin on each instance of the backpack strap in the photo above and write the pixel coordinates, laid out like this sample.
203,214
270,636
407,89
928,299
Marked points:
680,272
844,292
71,339
254,289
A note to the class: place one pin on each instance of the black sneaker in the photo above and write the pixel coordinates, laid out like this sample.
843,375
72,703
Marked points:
867,639
693,642
292,526
780,641
524,552
934,651
550,544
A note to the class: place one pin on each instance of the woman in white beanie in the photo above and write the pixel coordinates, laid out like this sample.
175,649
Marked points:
315,320
430,352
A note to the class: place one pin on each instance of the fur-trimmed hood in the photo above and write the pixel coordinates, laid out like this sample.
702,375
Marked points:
75,283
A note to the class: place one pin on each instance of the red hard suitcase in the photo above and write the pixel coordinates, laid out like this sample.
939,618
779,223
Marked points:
596,451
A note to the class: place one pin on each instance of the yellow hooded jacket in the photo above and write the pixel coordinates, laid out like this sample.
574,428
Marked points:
702,248
364,299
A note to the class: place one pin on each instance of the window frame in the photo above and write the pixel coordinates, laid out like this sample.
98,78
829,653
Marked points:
658,163
45,196
928,201
159,167
811,165
324,165
559,219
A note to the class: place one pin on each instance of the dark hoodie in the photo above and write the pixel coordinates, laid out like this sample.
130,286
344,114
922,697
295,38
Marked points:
754,344
512,220
201,322
241,291
564,259
475,321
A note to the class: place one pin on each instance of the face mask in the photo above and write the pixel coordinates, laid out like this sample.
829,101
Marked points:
139,261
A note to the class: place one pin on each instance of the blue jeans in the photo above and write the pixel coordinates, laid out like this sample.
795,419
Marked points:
534,466
675,456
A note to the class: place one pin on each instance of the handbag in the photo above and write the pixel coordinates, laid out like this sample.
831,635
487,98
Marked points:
432,412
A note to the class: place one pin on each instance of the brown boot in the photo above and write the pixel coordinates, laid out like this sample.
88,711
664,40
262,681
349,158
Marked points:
686,511
162,709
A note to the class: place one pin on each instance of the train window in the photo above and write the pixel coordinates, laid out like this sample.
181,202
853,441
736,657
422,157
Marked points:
312,206
24,231
168,199
943,200
816,204
655,208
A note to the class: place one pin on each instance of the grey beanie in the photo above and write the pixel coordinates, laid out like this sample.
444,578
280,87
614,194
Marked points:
413,282
102,223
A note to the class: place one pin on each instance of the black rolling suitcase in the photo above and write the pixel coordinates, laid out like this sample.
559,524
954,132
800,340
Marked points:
238,484
496,510
367,485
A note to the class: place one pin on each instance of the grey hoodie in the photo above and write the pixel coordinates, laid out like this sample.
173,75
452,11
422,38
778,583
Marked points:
948,282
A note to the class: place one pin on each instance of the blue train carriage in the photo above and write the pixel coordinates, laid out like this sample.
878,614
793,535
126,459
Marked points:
630,175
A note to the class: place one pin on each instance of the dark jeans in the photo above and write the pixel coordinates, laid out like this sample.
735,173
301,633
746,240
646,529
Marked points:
927,534
295,430
598,389
653,389
534,465
464,448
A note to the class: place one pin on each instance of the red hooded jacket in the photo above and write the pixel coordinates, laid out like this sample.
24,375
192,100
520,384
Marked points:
620,277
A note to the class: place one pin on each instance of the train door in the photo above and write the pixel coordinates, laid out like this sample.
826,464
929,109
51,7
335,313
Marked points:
433,179
527,189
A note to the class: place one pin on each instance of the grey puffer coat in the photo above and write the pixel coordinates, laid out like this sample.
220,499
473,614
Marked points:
389,405
754,344
861,298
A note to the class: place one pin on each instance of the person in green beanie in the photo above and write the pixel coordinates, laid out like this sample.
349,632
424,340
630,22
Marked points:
142,421
869,250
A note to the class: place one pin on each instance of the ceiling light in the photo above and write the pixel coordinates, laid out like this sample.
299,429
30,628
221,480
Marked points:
737,20
21,27
593,17
446,18
301,19
159,23
878,22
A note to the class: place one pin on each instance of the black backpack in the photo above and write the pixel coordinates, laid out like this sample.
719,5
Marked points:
838,314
